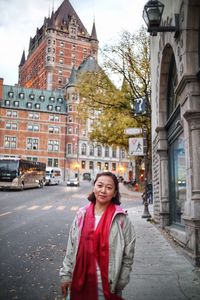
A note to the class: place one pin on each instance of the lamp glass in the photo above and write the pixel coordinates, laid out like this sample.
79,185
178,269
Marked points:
152,13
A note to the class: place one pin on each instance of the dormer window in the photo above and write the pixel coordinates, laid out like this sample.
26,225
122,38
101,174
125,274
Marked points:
16,103
32,96
7,102
58,108
50,107
10,94
42,98
60,100
37,105
21,95
52,99
29,104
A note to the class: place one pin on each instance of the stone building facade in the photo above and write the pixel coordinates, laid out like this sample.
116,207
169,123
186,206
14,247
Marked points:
175,73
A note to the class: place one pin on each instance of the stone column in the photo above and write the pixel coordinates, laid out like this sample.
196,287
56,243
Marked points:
164,175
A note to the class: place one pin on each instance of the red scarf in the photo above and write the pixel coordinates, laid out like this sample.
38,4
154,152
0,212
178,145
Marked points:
93,247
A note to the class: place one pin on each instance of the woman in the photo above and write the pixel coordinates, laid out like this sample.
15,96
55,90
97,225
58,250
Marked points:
100,248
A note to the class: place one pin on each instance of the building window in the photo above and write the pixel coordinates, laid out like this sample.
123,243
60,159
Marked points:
83,149
29,104
53,129
21,95
16,103
10,142
54,118
62,44
70,119
52,99
82,164
60,100
42,98
32,96
7,102
32,158
114,152
69,148
69,130
99,165
33,127
50,107
61,61
91,150
114,167
32,144
11,126
58,108
99,151
106,166
52,162
123,153
70,107
10,94
53,145
91,165
34,116
12,114
106,151
37,105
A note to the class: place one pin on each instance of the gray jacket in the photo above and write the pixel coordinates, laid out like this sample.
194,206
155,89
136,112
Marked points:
121,249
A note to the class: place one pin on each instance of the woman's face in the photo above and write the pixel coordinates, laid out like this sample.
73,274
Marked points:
104,190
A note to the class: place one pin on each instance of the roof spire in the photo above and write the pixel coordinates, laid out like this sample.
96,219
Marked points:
23,59
94,33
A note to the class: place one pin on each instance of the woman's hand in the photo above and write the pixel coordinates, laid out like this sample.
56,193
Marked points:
65,287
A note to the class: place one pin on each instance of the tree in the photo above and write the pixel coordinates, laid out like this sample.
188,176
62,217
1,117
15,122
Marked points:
129,59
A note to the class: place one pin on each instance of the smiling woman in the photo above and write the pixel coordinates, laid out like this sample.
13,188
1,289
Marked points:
100,231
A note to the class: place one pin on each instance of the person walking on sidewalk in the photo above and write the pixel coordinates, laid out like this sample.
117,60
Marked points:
100,249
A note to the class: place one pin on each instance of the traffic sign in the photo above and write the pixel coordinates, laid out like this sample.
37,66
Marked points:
133,131
136,146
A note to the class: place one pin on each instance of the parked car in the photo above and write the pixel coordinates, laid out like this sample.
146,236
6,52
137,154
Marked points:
73,182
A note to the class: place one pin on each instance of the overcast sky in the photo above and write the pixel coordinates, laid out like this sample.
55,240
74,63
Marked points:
20,18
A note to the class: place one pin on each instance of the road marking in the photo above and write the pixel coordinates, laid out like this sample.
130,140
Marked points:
6,213
20,207
33,207
47,207
61,207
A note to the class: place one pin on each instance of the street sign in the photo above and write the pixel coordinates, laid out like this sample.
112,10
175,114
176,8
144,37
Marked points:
132,131
140,106
136,146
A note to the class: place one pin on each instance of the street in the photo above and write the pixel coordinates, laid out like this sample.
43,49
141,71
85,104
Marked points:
34,226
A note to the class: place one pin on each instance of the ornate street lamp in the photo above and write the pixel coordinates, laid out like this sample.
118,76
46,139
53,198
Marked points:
152,15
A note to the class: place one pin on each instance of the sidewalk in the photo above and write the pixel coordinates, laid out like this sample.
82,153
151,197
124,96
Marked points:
160,270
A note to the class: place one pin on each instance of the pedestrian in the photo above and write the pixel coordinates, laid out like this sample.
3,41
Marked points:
100,249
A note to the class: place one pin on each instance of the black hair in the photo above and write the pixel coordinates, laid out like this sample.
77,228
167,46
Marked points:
116,198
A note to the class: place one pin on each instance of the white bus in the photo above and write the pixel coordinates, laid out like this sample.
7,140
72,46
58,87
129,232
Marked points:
18,173
53,175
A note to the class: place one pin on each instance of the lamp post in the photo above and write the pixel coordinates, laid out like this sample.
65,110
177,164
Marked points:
152,15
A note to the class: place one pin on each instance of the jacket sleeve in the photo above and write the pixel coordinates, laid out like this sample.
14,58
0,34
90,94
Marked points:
128,254
69,260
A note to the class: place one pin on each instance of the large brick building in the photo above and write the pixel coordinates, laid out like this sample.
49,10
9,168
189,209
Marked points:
61,43
39,117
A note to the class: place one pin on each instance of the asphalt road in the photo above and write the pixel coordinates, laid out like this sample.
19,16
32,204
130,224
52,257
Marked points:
34,225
